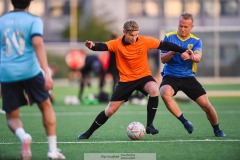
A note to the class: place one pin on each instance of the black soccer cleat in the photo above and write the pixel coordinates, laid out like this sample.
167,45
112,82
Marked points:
188,126
219,133
151,130
85,135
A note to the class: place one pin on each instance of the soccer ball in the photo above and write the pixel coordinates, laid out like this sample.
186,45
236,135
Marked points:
135,131
71,100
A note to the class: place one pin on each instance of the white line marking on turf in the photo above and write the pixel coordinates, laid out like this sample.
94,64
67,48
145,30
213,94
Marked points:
106,142
84,113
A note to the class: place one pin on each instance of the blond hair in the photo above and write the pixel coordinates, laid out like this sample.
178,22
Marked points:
130,25
187,16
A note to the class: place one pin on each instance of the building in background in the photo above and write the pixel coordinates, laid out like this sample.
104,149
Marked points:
217,23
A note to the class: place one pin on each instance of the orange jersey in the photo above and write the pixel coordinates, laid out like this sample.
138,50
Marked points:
132,59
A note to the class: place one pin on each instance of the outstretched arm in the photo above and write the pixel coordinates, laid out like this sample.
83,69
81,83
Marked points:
168,56
169,46
96,46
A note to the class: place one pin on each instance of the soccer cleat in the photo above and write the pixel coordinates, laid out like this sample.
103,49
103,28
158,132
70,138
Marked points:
219,133
26,147
2,111
188,126
151,130
55,155
85,135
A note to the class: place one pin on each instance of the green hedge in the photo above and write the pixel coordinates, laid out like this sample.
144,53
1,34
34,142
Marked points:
58,61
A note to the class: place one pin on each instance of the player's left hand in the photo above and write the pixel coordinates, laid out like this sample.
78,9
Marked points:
187,55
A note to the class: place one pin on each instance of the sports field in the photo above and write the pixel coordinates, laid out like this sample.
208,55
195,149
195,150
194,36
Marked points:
172,143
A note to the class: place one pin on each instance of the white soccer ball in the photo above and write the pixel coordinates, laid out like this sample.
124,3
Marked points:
75,100
135,130
67,100
71,100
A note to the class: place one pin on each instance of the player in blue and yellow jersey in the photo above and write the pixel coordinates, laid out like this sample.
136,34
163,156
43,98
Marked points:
178,74
22,56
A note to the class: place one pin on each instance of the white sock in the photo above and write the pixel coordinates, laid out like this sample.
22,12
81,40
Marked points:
52,142
20,133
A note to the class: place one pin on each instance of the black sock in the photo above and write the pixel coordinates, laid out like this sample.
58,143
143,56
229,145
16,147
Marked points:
98,122
151,109
182,119
215,127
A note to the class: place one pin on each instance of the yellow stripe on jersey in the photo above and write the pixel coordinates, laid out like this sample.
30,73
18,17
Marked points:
194,67
175,33
193,36
171,33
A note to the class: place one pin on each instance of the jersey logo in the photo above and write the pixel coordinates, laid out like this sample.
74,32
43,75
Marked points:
190,46
139,51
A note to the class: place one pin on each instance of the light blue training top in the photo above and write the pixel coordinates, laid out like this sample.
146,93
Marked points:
18,60
177,67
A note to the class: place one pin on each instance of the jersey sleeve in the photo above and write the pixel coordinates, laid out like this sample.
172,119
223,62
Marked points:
165,39
37,27
198,46
153,43
111,45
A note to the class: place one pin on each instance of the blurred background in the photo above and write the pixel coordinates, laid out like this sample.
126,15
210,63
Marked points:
68,23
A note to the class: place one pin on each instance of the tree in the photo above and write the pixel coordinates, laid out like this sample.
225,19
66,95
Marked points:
92,28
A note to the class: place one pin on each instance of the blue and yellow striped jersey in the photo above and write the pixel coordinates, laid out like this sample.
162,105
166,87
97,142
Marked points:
177,67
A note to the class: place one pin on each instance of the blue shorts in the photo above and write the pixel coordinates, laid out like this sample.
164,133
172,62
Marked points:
189,85
14,93
124,89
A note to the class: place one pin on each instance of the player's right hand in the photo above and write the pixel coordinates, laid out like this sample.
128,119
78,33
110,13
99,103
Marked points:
89,44
48,82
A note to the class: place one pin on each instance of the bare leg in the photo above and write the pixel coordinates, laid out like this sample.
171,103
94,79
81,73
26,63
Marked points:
48,117
211,113
16,126
167,93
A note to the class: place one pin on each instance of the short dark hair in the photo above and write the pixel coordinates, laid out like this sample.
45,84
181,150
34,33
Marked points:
21,4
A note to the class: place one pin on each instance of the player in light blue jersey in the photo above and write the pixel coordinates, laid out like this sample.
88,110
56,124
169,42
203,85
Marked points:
22,56
178,74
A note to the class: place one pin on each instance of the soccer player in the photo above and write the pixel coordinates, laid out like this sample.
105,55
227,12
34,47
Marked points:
178,74
22,56
92,65
134,72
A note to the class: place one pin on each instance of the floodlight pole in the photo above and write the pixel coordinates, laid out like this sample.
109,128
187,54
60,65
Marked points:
73,22
216,40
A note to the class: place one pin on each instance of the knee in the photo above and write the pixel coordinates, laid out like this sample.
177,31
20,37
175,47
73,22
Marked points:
154,92
109,112
207,108
163,95
205,104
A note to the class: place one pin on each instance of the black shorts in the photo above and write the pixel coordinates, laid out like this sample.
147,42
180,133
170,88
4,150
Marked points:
14,93
189,85
124,89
